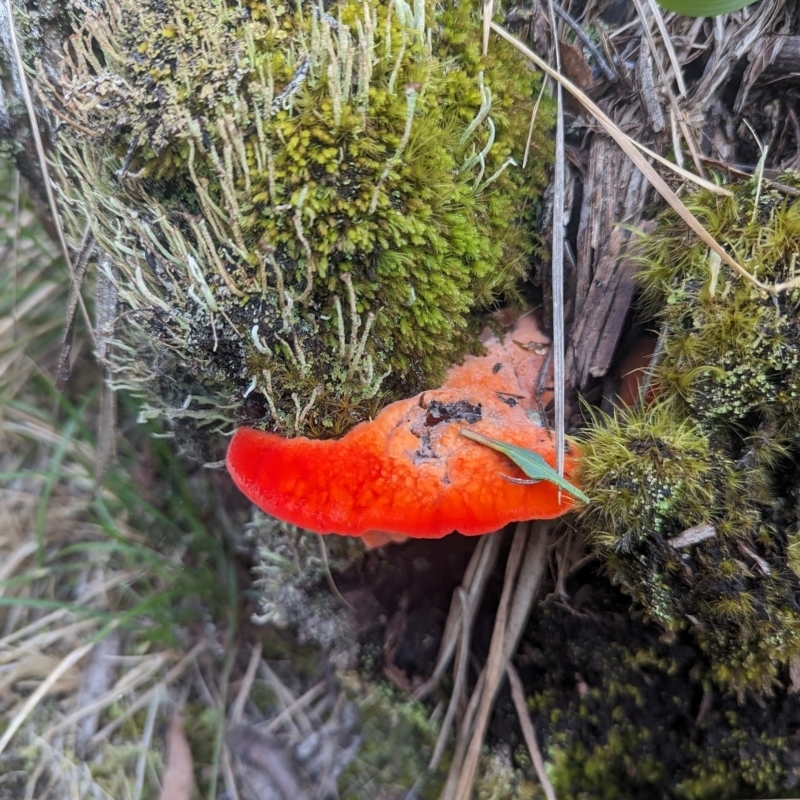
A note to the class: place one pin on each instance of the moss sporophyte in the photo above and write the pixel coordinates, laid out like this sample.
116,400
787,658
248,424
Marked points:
302,209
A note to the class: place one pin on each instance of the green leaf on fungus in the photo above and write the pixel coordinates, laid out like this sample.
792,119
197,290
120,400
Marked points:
703,8
532,464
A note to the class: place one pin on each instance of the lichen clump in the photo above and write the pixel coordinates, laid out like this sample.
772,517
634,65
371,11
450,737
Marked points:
301,207
696,494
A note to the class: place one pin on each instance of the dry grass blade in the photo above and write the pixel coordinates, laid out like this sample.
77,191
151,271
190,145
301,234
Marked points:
37,136
144,748
488,8
96,681
464,767
523,578
473,585
41,691
528,733
79,779
129,682
106,296
557,267
297,706
460,683
329,575
633,152
529,583
684,174
31,292
228,775
676,112
85,252
25,551
40,152
44,639
672,55
271,758
178,778
237,709
106,430
145,698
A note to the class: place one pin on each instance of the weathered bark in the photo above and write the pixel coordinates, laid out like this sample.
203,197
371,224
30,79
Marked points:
41,31
748,62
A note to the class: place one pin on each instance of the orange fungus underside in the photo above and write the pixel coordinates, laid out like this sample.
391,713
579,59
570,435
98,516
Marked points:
409,472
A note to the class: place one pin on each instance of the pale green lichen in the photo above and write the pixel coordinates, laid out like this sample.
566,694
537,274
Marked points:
302,207
292,569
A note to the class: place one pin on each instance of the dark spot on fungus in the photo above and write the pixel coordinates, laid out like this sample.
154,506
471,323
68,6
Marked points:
508,399
496,368
460,411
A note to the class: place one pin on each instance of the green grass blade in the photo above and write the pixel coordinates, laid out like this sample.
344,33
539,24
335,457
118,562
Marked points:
532,464
703,8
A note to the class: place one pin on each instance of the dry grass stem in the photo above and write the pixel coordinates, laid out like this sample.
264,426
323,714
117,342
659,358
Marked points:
528,733
557,263
460,684
144,747
41,691
478,572
132,680
633,152
297,706
523,577
145,698
40,152
237,709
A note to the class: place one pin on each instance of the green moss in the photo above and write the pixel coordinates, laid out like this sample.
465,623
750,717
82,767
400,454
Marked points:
304,208
654,473
732,350
621,712
650,467
397,741
718,448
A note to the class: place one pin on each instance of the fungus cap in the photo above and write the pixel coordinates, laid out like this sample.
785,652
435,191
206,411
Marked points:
406,472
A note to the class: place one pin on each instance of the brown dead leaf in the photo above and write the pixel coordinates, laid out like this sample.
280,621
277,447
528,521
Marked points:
574,65
178,776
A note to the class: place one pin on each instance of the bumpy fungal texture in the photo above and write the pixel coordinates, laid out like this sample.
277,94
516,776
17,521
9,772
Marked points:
406,472
718,446
300,206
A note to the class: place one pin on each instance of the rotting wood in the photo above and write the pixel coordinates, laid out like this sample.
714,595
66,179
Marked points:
604,283
764,43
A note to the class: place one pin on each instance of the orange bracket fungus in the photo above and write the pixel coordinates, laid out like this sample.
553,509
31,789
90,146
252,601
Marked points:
409,472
